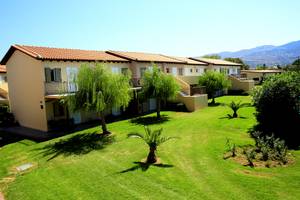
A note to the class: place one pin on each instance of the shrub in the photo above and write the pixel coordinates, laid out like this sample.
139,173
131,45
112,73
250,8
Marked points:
6,117
277,104
270,147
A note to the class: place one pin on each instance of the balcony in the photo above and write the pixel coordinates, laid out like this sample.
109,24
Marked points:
136,82
55,88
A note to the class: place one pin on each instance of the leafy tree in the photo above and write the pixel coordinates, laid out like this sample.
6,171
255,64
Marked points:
235,106
277,104
261,67
238,61
153,139
214,81
98,90
159,85
212,56
295,66
296,62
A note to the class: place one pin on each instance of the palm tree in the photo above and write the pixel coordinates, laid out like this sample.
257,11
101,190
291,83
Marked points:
157,84
153,139
236,106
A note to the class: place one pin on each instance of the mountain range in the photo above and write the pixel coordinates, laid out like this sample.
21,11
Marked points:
268,54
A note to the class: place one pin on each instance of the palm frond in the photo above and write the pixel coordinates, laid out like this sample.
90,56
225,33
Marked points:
152,138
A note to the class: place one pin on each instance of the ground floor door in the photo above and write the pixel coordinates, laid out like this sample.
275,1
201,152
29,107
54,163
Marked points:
76,117
116,111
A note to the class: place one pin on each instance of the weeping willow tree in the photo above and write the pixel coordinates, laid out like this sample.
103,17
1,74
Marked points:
159,85
99,90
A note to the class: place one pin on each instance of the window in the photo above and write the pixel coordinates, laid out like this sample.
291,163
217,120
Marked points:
191,70
142,71
180,71
124,71
53,75
58,109
167,70
196,70
115,70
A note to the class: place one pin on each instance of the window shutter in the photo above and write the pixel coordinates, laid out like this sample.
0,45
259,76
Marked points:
47,75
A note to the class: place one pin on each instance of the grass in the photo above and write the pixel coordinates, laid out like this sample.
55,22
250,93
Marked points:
78,167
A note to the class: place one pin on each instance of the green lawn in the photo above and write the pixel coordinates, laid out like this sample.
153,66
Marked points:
80,168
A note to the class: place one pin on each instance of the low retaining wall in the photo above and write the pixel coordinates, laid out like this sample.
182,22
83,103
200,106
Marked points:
245,85
195,102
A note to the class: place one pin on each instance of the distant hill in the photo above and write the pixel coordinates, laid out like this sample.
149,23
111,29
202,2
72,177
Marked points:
267,54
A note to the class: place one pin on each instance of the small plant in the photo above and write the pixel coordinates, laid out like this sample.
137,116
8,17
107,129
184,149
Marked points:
231,147
235,106
153,139
250,155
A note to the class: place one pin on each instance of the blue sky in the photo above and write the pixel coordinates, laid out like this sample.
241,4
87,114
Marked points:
174,27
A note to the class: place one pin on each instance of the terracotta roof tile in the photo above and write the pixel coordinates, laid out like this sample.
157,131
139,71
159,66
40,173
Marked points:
189,61
48,53
145,57
215,61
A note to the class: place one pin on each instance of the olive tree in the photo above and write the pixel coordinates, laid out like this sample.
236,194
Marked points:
159,85
214,81
99,90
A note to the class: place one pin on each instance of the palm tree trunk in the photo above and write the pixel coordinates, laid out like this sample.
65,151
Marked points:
158,108
151,158
234,114
103,124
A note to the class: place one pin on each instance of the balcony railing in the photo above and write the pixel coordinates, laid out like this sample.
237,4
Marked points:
52,88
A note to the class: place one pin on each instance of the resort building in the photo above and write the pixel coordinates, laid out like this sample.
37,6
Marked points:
3,85
38,77
259,75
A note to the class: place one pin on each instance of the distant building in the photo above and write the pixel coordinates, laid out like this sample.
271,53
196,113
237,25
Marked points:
259,75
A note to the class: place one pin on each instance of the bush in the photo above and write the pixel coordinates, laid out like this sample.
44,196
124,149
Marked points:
271,148
277,104
6,118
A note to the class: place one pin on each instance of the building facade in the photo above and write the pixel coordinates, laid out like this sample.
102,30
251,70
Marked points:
38,77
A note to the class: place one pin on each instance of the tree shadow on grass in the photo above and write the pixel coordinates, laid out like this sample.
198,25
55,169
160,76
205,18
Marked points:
231,117
144,167
78,144
149,120
213,104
